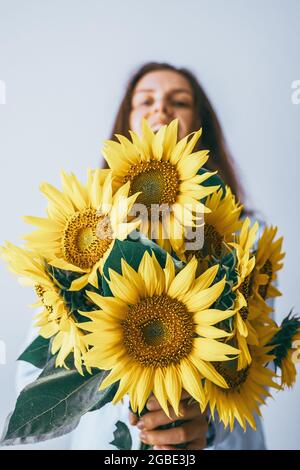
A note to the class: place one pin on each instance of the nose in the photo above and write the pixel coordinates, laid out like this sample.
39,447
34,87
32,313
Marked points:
161,110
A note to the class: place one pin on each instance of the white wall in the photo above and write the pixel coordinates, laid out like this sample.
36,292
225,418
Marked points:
65,64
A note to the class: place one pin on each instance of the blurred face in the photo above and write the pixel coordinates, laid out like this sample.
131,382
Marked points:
160,97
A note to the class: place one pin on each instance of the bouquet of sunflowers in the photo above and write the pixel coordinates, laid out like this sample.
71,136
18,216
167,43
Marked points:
149,279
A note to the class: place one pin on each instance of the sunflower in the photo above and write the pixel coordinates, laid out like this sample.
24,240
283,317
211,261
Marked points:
157,334
165,172
247,389
257,283
69,339
244,330
55,319
288,368
221,223
285,347
243,243
268,256
223,220
82,224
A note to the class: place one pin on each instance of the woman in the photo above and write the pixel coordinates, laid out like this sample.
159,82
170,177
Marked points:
161,93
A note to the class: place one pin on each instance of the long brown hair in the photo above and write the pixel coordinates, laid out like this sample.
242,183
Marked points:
212,137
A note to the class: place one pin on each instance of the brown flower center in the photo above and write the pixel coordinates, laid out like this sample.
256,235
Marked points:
157,180
229,372
86,238
268,270
212,241
247,290
158,331
40,291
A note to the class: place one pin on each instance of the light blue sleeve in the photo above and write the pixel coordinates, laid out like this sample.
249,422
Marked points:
239,439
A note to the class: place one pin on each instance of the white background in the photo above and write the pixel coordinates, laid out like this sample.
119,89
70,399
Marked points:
65,64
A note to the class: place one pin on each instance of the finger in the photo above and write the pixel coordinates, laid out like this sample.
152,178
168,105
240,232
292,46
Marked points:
153,404
154,419
198,444
187,432
133,419
185,395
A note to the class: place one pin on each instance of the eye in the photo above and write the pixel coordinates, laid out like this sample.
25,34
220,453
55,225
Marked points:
180,104
141,101
147,102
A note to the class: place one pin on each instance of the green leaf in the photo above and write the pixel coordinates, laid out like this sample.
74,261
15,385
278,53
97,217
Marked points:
213,180
106,396
283,339
160,253
37,352
227,268
122,438
62,277
132,252
53,404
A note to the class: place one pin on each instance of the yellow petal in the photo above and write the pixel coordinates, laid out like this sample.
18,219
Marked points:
170,139
104,357
192,142
208,371
191,381
159,390
206,297
241,325
144,385
212,350
173,386
177,152
183,280
205,280
159,275
157,144
169,271
188,166
148,273
116,373
211,332
122,288
212,316
135,278
80,282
